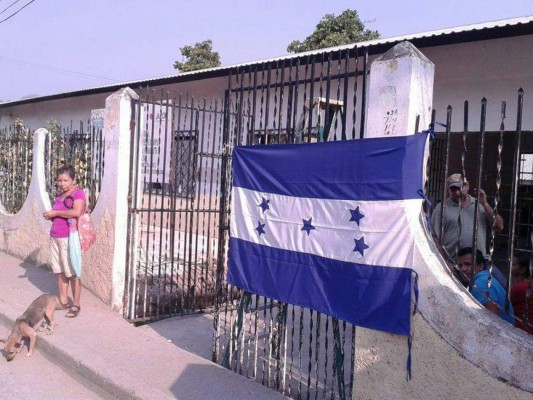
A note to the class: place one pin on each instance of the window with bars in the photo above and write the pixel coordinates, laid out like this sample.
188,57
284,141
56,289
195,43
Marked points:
185,163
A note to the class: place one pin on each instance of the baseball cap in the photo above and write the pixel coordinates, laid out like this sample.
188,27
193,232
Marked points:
455,180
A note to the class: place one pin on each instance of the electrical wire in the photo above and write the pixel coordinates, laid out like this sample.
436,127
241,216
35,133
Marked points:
9,6
55,69
16,12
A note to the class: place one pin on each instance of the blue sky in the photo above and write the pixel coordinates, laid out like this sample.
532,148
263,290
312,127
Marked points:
54,46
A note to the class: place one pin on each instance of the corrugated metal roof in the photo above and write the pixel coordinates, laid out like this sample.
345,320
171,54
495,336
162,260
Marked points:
482,31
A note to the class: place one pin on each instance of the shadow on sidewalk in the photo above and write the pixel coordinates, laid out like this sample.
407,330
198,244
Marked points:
193,333
191,384
39,276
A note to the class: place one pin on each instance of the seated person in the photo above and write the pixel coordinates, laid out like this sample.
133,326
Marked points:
494,300
521,279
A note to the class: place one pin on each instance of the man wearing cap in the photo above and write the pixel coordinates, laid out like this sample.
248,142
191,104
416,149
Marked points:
458,224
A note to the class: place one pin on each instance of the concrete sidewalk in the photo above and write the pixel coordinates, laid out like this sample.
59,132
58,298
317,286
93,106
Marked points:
124,361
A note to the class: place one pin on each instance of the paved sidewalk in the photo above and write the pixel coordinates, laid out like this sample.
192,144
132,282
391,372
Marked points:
124,361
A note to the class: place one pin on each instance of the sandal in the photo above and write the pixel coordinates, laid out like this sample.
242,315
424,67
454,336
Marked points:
73,311
62,306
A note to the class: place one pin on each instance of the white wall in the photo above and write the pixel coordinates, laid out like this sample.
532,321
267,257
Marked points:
76,109
494,69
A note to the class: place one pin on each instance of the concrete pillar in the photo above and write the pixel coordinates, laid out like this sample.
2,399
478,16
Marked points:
400,89
106,266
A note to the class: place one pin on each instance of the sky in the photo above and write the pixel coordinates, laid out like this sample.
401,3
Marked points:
56,46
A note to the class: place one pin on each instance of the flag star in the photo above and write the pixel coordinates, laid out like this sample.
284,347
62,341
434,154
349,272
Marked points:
356,215
260,228
264,204
360,245
308,227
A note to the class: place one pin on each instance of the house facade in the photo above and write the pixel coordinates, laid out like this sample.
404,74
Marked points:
157,256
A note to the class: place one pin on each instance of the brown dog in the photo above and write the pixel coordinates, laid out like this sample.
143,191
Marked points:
42,307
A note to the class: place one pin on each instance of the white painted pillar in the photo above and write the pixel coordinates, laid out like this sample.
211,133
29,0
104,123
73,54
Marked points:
112,205
400,89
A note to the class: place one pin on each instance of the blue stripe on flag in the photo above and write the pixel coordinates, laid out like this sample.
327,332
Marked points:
369,169
375,297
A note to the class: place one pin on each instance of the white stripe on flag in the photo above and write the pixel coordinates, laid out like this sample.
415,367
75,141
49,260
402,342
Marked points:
386,226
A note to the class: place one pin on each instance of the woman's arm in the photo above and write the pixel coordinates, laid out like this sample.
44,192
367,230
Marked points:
76,210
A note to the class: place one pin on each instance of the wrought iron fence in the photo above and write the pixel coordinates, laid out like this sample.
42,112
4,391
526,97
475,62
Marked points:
175,200
297,351
84,149
16,163
499,163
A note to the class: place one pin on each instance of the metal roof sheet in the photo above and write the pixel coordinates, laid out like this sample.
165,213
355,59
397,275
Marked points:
481,31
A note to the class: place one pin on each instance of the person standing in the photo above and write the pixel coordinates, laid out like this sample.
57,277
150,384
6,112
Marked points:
67,207
458,225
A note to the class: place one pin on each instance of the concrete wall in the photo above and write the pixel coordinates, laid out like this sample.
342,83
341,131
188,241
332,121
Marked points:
26,233
494,69
76,109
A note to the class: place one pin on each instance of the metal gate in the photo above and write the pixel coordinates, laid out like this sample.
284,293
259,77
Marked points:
294,350
174,199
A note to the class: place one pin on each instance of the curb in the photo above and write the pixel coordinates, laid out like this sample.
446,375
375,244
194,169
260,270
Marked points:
81,371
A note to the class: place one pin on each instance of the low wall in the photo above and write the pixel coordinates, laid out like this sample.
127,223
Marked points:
460,349
26,233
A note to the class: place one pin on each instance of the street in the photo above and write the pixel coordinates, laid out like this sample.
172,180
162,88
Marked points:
37,377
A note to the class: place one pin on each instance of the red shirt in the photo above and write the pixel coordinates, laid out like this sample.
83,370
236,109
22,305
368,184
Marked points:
518,300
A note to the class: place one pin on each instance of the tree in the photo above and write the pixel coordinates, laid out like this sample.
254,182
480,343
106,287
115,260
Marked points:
199,56
335,31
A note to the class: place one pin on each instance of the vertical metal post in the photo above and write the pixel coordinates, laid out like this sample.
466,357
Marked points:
479,178
129,290
363,95
446,167
345,93
514,190
225,156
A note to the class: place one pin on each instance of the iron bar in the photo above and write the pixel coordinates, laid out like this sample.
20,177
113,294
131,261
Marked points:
514,190
481,150
363,94
302,82
446,165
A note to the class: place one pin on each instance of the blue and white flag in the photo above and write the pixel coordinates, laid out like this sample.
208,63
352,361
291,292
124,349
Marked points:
329,226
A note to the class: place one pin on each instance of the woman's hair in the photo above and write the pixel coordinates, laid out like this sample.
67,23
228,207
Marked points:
67,170
523,262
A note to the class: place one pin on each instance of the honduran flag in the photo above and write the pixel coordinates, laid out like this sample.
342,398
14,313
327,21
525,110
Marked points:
329,226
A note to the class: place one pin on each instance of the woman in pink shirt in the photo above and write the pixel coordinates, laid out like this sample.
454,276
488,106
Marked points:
68,206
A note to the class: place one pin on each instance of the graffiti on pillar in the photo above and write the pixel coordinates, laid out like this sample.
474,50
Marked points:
387,96
390,121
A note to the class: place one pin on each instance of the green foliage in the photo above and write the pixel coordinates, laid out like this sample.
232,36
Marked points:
199,56
335,31
71,148
16,149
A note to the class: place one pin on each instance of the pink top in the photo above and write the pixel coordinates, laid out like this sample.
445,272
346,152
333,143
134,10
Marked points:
59,225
